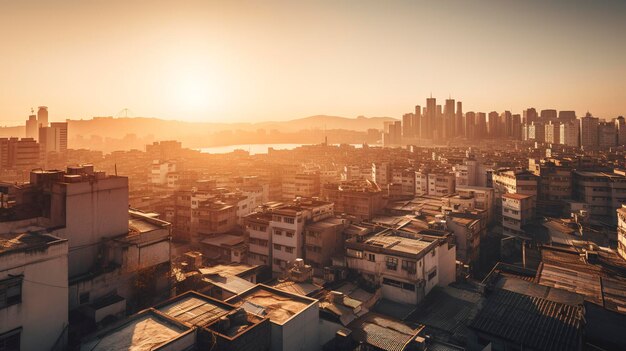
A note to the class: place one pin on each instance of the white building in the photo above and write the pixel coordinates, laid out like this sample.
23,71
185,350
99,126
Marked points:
160,173
434,183
276,235
517,211
33,288
294,319
483,198
406,266
570,134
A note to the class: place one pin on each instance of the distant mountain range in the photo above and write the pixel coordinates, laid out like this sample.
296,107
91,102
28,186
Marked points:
171,129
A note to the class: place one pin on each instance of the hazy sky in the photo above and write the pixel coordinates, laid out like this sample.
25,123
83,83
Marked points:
231,60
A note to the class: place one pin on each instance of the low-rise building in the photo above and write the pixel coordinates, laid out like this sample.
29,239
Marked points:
33,290
405,265
517,211
362,199
294,318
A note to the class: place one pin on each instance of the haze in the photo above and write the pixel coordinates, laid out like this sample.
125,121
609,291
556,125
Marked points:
233,61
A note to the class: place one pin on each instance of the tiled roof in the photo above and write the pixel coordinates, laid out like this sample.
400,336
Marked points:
532,322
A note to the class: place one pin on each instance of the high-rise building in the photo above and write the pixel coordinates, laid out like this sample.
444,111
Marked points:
438,125
481,125
448,120
492,125
530,116
548,115
570,134
429,118
589,131
42,116
62,132
407,125
607,134
470,125
516,126
31,127
506,124
620,124
416,121
552,133
567,116
19,154
459,125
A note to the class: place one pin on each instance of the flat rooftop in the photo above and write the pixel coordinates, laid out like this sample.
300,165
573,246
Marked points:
278,305
146,331
398,243
194,309
13,242
516,196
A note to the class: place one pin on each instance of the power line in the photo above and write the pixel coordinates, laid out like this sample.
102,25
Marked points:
45,284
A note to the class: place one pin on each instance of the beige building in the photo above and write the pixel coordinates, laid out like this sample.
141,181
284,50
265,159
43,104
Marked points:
33,288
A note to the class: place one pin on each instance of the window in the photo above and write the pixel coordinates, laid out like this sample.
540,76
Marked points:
277,247
371,257
83,298
11,291
289,220
409,266
288,249
432,274
278,232
392,263
10,341
289,234
354,253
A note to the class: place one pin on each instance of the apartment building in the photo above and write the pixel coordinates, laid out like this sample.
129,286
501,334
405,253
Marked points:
276,234
468,228
517,211
404,178
406,266
362,199
323,240
19,154
301,184
482,198
160,172
570,133
33,288
603,193
435,183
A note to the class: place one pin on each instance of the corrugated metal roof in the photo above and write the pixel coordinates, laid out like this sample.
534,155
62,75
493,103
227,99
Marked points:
531,322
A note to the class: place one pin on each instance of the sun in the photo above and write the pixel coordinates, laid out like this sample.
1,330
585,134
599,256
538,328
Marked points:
193,93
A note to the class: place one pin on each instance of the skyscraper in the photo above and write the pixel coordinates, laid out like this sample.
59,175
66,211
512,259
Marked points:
547,115
431,112
407,125
620,124
567,116
31,127
42,116
470,125
530,115
459,119
448,120
589,131
62,134
416,122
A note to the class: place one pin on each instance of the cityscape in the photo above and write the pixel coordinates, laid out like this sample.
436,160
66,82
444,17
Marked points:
422,221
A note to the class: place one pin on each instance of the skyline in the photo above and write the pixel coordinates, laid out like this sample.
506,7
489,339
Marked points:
232,62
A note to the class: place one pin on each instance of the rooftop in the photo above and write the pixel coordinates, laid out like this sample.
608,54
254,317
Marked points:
145,331
264,301
516,196
13,242
530,321
382,332
193,308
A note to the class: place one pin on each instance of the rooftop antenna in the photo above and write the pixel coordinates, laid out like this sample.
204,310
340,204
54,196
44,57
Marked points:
32,110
